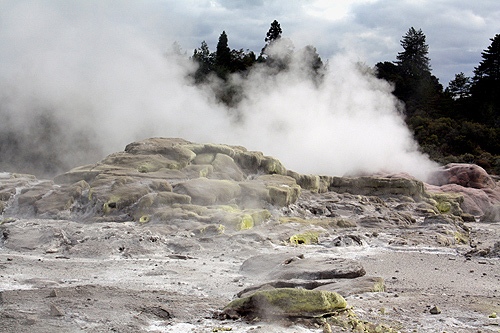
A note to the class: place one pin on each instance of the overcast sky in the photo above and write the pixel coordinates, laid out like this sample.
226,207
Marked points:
457,31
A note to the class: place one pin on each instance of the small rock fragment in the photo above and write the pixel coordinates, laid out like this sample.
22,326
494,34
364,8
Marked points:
327,328
53,293
435,310
55,312
493,315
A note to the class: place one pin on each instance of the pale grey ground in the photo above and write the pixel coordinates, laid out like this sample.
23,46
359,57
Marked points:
127,277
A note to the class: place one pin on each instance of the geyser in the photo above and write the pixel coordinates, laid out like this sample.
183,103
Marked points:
104,81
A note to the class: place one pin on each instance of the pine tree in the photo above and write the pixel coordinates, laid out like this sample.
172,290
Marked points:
274,32
486,85
223,53
489,67
413,61
459,87
205,61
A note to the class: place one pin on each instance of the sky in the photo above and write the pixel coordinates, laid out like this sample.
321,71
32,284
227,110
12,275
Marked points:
457,31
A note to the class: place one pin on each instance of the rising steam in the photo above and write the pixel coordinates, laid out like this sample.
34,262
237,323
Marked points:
80,81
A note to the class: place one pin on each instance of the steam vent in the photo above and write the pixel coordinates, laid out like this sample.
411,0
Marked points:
175,236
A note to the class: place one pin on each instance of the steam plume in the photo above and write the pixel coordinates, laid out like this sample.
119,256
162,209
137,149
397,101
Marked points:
101,81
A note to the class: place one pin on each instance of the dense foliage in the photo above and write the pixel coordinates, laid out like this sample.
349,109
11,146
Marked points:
458,124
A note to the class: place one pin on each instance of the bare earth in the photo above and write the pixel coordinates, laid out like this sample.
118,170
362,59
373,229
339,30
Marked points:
62,276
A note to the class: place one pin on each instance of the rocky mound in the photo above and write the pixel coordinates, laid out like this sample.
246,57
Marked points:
161,179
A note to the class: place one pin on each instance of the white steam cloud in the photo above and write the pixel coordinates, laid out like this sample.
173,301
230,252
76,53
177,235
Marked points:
106,81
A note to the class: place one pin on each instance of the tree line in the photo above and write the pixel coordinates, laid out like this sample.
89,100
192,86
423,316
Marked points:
220,64
458,124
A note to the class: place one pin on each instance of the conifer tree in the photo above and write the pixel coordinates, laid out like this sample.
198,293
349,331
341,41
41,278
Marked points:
205,61
413,61
274,32
486,85
489,67
223,53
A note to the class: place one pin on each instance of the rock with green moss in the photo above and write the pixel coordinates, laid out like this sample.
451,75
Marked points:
141,163
123,197
307,238
197,171
238,221
286,302
307,182
283,190
258,215
447,202
249,160
271,165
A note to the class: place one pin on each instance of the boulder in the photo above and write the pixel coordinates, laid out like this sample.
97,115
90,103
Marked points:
466,175
377,186
225,167
287,267
286,302
60,199
491,214
475,200
344,287
360,285
317,268
253,194
307,182
30,195
283,190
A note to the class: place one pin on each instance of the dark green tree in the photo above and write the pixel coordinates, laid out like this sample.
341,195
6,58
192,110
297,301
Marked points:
413,61
223,52
241,61
489,67
459,87
205,61
274,32
486,85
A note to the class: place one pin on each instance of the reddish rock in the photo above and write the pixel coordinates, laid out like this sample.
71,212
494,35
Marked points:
478,188
466,175
476,201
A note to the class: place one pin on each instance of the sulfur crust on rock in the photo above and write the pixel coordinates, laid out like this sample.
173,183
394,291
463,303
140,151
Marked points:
308,238
287,302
